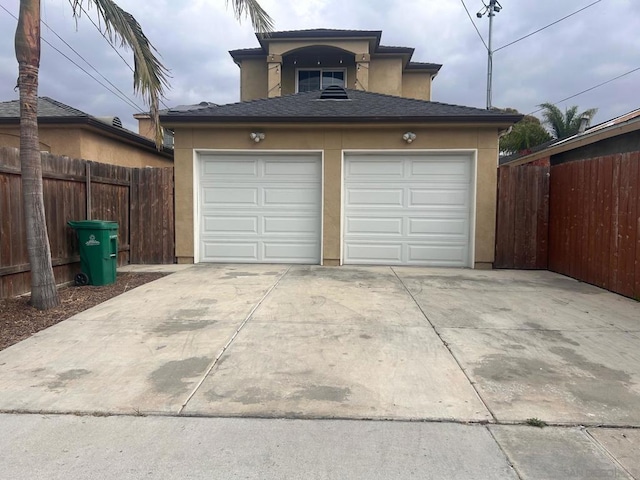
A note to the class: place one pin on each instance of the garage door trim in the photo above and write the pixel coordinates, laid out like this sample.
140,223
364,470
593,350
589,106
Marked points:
472,154
231,152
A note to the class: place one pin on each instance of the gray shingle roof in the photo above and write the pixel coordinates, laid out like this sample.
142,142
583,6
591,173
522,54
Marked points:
361,107
47,107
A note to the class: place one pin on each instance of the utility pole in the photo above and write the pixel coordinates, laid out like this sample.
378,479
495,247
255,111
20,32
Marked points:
490,10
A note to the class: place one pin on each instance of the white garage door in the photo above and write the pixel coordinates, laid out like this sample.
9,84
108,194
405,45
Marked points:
411,210
260,208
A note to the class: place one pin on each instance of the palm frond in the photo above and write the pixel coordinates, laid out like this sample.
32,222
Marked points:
150,76
260,20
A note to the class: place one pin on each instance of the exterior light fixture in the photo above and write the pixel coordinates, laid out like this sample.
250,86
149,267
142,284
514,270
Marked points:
256,136
409,137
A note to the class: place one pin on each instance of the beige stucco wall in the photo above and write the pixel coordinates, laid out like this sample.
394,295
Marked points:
353,46
109,150
416,85
332,141
82,143
385,76
253,79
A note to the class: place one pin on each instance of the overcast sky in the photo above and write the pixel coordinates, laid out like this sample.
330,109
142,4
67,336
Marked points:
194,38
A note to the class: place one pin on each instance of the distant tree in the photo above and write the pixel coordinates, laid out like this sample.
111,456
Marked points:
562,125
524,135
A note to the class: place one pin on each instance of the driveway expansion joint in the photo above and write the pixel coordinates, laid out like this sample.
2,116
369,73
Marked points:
228,344
446,345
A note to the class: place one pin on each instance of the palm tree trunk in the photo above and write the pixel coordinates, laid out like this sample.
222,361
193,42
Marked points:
44,294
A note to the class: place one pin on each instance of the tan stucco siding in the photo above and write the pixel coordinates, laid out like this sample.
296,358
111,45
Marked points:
108,150
385,76
10,137
145,128
416,85
76,142
332,142
353,46
253,79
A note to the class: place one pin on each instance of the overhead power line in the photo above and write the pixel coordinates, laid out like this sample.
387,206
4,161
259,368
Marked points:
590,88
122,97
547,26
94,68
474,24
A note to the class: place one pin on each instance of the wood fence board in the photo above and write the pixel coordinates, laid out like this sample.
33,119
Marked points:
523,217
115,196
635,157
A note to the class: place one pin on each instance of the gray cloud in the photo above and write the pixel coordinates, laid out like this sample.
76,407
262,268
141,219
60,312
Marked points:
193,39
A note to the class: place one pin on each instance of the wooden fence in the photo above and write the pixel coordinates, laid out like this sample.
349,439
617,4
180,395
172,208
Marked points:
594,230
523,217
140,200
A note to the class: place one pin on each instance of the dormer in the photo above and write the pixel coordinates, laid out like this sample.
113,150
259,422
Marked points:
302,60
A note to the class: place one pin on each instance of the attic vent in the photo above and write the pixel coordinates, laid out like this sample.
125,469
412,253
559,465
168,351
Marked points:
114,121
334,92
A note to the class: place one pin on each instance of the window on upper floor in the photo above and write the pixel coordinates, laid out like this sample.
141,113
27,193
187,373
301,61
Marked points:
319,78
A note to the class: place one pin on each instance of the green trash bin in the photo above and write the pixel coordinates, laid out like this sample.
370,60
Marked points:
98,240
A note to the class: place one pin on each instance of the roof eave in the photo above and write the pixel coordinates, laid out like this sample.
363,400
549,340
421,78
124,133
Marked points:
503,121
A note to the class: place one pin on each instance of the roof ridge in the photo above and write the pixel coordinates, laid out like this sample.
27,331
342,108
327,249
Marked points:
64,106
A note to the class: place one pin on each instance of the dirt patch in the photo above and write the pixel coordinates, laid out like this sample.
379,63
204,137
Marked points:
19,320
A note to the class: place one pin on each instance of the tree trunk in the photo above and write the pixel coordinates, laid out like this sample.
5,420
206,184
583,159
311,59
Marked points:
44,294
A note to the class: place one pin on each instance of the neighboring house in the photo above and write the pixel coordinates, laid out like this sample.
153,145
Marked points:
573,206
64,130
618,135
336,155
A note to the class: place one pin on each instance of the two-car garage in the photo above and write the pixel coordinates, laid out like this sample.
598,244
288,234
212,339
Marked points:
397,208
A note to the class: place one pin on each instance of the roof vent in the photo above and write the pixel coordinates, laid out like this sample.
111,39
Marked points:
113,121
334,92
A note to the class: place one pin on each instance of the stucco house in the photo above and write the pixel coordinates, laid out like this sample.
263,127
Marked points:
335,155
64,130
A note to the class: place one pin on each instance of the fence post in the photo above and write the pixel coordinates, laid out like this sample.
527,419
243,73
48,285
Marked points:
88,183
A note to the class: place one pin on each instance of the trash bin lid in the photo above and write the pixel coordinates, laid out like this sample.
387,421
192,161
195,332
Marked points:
94,225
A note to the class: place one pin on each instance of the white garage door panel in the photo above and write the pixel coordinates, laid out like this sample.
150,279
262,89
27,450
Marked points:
384,253
230,225
439,226
438,197
378,225
292,225
413,210
375,168
230,251
260,208
218,196
441,255
298,197
227,168
374,197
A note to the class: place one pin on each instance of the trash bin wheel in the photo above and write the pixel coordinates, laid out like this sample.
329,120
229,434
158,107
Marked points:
81,279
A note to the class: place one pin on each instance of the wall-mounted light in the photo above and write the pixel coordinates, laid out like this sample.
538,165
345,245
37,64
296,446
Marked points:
409,137
256,136
295,61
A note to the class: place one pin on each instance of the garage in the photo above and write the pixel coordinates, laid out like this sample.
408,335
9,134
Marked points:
408,209
259,207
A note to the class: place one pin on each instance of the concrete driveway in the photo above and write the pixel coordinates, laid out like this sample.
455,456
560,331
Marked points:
480,349
366,342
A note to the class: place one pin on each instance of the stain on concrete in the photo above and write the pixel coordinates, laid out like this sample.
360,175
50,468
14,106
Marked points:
187,313
600,384
365,336
173,377
323,393
349,275
501,367
174,327
64,378
234,275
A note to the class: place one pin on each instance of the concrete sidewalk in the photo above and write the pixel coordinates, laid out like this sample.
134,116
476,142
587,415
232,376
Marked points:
486,348
61,447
